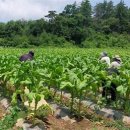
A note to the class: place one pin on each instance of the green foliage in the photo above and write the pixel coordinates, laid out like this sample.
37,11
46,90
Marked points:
100,40
76,71
9,120
52,40
44,111
72,27
86,11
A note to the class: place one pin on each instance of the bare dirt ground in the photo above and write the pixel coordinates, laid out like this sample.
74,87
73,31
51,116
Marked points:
59,124
54,123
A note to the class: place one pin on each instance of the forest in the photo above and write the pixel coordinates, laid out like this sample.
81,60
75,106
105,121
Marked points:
79,24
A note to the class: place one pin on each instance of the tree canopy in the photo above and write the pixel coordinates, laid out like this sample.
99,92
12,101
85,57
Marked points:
81,24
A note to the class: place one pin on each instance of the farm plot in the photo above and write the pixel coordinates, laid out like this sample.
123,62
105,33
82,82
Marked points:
75,71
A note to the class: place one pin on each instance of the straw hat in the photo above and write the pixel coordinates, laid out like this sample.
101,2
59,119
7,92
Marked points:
117,57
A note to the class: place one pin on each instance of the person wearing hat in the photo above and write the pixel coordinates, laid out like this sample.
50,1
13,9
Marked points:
113,69
116,62
104,58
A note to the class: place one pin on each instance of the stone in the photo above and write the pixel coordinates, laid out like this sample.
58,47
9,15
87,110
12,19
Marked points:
32,105
27,126
4,103
126,119
62,112
67,118
20,122
54,106
67,95
89,104
37,125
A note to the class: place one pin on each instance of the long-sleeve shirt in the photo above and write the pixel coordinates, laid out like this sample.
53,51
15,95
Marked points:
115,64
106,59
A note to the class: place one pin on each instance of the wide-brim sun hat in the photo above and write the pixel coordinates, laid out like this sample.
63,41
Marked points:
117,57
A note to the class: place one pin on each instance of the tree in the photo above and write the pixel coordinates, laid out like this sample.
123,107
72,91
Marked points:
51,16
122,15
121,11
14,28
70,10
36,27
86,11
2,30
104,10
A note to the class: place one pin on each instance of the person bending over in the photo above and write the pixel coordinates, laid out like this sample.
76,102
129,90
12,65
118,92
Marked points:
28,56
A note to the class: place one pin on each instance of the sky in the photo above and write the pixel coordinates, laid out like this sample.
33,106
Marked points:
35,9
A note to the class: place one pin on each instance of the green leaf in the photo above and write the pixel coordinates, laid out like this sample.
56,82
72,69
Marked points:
30,96
26,82
121,89
65,84
82,85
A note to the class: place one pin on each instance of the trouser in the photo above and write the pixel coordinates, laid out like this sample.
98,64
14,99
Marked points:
111,90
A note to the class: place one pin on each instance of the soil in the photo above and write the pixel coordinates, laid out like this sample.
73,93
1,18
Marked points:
54,123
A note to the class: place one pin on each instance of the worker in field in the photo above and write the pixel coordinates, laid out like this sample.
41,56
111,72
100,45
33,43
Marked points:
28,56
104,58
24,58
113,69
116,63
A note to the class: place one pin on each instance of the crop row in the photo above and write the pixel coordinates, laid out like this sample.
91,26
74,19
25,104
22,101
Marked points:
80,74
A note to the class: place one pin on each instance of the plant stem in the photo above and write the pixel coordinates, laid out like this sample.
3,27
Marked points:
55,91
79,105
72,101
61,96
35,109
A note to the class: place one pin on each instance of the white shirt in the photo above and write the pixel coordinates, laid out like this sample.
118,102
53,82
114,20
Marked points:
106,59
115,64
